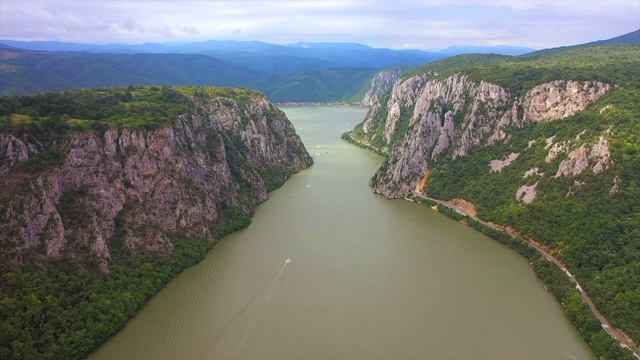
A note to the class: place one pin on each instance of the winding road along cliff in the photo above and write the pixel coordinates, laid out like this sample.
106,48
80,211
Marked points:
617,334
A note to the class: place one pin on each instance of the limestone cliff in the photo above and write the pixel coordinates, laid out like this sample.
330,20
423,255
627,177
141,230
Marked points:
380,84
424,118
545,144
145,187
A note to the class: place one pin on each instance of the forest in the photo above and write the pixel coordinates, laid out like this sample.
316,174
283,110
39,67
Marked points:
65,307
595,233
591,222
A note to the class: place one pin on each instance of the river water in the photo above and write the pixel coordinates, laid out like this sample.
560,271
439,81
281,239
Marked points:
328,270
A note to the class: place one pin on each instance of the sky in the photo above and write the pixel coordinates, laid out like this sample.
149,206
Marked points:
395,24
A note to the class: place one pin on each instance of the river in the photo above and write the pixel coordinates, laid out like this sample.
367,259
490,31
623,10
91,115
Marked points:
328,270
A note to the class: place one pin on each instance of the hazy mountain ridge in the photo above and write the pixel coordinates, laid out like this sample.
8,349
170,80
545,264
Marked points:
497,49
545,143
334,55
25,71
269,68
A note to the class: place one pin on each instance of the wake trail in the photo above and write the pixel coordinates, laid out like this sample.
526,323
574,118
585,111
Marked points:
242,309
266,301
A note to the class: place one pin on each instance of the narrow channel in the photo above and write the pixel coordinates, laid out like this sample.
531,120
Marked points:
328,270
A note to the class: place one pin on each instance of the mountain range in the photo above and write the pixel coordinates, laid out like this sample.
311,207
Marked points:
301,72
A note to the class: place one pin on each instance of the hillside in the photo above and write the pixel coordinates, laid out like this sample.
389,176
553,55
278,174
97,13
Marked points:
545,143
256,54
327,84
24,72
109,193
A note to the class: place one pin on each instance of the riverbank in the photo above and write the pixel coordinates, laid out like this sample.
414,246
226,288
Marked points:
563,288
348,138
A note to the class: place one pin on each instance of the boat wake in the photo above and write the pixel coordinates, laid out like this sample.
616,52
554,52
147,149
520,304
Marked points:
244,306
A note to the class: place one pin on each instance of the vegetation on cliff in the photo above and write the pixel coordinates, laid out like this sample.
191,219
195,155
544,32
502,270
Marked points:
589,219
109,193
593,230
612,64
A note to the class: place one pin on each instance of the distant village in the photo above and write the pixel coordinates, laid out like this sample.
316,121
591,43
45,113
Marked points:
309,103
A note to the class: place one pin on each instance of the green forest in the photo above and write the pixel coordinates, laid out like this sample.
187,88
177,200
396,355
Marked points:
594,233
28,72
65,307
593,230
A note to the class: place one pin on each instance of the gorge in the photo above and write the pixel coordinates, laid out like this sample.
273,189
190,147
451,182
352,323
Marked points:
100,212
109,193
535,146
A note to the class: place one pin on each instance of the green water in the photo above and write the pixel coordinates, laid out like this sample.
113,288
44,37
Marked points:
367,278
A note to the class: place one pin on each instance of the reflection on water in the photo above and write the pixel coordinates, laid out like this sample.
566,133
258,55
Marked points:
329,270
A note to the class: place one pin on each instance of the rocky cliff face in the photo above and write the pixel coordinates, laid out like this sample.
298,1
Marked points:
380,84
140,189
424,119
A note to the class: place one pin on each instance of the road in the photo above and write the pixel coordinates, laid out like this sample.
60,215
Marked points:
618,335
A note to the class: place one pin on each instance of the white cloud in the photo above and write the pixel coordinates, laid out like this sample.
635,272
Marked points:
394,24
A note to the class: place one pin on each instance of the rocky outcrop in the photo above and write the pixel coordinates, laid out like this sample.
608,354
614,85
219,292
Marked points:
559,99
425,118
14,151
498,165
145,186
380,84
526,193
532,172
580,159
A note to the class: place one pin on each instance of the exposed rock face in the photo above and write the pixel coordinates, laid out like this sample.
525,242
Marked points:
615,188
498,165
147,184
559,99
526,193
556,150
380,84
532,172
581,158
14,151
425,118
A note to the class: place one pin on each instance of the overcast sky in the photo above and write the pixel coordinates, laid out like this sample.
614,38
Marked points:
390,24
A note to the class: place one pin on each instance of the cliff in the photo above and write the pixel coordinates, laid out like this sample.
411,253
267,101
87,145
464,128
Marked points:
138,190
545,149
380,84
424,118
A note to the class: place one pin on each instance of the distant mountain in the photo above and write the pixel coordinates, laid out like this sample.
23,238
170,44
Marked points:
302,56
281,78
630,38
304,71
281,64
328,84
499,49
324,45
31,71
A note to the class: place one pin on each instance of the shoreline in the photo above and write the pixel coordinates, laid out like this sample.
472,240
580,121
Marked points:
619,336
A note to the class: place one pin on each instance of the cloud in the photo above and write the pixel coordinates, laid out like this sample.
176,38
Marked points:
379,23
191,30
